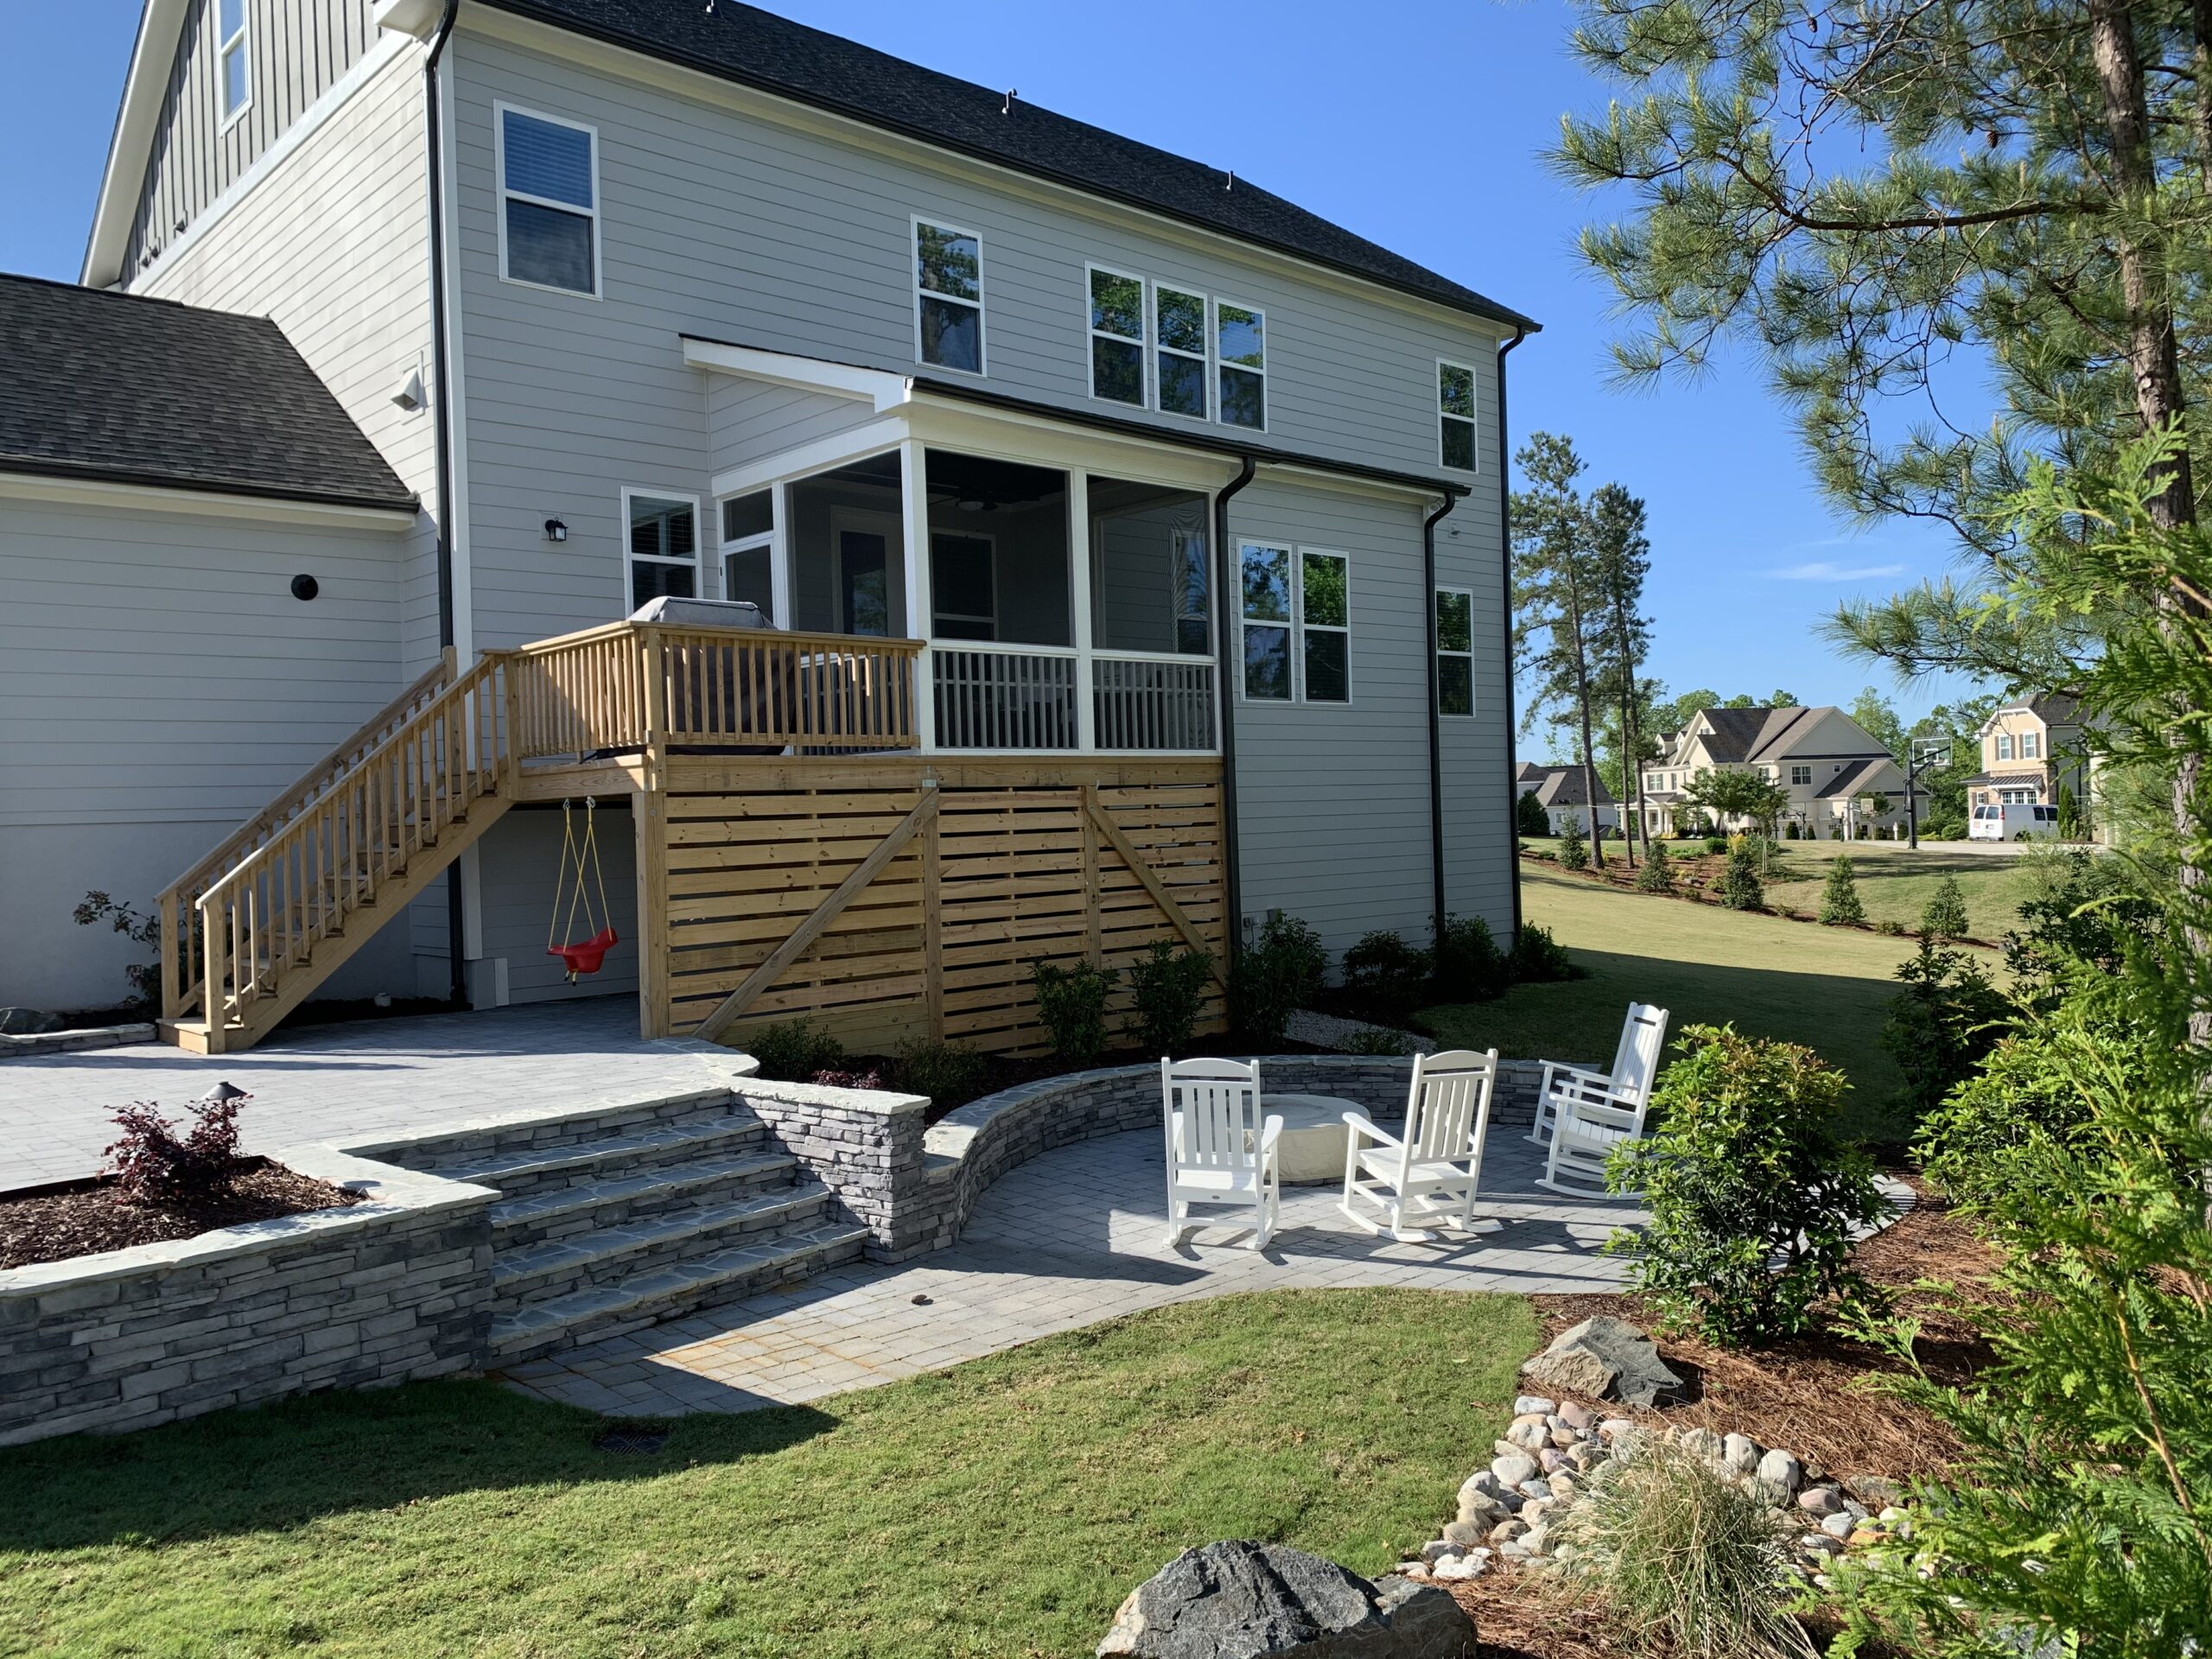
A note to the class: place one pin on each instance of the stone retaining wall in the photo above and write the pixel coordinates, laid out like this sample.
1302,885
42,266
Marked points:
24,1046
864,1144
395,1287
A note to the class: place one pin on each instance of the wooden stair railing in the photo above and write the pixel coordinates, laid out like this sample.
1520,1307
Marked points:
266,932
180,973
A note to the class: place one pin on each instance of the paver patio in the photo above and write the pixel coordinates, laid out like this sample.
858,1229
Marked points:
1069,1239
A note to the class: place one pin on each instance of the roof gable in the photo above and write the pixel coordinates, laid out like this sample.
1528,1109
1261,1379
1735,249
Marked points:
117,388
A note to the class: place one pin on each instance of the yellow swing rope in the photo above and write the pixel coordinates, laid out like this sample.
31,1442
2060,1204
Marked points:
568,847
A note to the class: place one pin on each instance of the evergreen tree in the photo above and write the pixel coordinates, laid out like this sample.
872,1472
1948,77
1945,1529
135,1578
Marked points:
1840,903
1573,847
1741,887
1529,816
1945,916
1557,602
1657,874
1621,559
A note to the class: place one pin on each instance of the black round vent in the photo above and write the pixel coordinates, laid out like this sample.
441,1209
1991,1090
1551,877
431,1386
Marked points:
305,587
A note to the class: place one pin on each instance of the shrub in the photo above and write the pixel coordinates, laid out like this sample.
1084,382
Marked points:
1529,817
1947,1018
1839,905
944,1072
1170,986
792,1050
1379,1041
1384,977
154,1165
1280,970
1540,959
1716,845
838,1078
1942,829
2082,908
1657,874
1689,1563
1945,915
1470,968
1890,927
145,978
1573,847
1789,830
1739,886
1071,1002
1752,1197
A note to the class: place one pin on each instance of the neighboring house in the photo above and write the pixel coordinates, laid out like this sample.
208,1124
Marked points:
1561,791
1823,760
1066,468
2031,751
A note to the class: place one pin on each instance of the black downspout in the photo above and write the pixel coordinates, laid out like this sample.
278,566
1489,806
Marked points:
456,932
1505,593
1435,720
1227,586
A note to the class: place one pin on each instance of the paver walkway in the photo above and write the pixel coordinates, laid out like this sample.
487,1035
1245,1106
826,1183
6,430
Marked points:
1069,1238
351,1081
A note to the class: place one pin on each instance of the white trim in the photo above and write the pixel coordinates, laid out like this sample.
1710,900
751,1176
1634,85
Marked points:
914,530
1474,688
653,492
242,39
1298,606
1093,334
823,455
145,89
1203,356
1082,564
416,18
915,221
502,193
885,389
769,540
213,504
1222,366
1472,418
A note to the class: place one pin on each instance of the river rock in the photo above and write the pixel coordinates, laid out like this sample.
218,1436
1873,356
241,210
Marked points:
1244,1600
1511,1472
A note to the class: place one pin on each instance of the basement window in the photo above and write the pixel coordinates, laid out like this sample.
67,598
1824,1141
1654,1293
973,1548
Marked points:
233,56
549,213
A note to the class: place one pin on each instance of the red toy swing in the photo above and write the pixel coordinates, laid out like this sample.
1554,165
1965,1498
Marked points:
585,955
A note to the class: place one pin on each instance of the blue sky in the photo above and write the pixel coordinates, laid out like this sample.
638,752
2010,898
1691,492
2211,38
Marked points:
1420,129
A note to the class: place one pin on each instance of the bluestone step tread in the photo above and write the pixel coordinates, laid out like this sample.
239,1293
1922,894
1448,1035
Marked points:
537,1162
602,1244
660,1181
765,1260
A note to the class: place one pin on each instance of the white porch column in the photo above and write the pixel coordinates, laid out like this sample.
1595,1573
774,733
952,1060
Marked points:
1080,558
914,495
780,594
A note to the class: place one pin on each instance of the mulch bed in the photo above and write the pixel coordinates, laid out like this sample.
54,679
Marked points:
84,1217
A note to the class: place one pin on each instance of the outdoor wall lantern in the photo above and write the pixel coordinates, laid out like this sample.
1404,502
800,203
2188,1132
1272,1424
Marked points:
555,530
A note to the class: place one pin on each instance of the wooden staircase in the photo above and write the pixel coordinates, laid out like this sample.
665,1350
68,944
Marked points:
251,930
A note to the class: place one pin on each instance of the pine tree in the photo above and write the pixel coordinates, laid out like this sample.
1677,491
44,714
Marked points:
1657,874
1573,849
1740,887
1839,905
1945,918
1558,627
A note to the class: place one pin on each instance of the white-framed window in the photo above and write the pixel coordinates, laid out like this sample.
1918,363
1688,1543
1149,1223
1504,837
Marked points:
234,57
1180,327
1117,335
963,586
2030,746
748,545
1455,651
1324,625
948,298
1455,415
549,200
2004,746
1801,774
1265,581
1239,335
660,548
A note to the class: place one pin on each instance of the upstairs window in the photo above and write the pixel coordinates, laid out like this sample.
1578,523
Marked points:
1455,415
663,553
1266,622
2030,747
1801,774
2004,746
1240,350
1324,625
1455,651
232,55
949,298
1116,337
1180,322
549,184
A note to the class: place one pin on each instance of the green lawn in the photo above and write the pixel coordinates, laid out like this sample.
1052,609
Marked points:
1825,987
1002,1508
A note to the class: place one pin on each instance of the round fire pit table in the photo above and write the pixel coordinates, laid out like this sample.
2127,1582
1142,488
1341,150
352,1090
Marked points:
1311,1149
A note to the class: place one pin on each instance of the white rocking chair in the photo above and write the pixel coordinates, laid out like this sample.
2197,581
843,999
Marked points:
1642,1034
1435,1171
1219,1149
1592,1114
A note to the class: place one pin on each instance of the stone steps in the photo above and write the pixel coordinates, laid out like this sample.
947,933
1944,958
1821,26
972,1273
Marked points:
546,1272
513,1148
670,1292
533,1172
615,1201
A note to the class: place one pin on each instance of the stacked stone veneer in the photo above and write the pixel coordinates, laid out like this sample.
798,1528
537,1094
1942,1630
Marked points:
394,1288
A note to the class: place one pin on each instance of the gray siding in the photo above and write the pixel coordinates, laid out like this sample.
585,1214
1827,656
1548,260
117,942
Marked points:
748,419
517,861
298,50
161,684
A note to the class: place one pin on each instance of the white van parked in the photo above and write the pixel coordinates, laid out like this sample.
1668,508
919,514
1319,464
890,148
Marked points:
2014,821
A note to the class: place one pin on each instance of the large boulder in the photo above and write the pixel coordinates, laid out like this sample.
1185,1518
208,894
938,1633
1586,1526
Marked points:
1244,1600
1604,1359
29,1022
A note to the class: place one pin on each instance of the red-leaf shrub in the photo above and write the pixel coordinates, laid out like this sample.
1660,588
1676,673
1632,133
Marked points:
152,1163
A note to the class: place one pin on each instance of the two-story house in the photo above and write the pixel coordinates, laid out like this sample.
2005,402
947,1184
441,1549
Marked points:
1127,539
1835,775
1563,792
2031,751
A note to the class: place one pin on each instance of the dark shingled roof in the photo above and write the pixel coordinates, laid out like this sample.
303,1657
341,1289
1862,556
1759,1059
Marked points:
757,48
125,390
1560,785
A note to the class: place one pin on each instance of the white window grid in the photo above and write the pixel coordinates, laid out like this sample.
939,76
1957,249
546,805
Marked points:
945,227
1801,775
762,541
2031,749
2004,746
1203,357
1222,367
1466,656
500,110
1293,623
236,45
1306,626
1445,419
673,498
1142,339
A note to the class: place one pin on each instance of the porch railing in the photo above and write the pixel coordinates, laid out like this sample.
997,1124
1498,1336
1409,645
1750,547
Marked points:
1153,703
991,696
